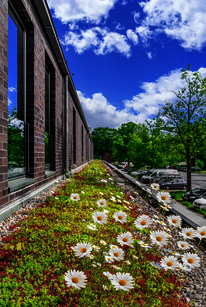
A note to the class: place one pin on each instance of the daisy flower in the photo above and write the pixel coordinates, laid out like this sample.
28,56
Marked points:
201,232
92,227
122,281
148,191
101,203
143,221
146,246
105,211
113,246
109,259
183,245
165,208
125,238
191,260
82,192
75,279
118,196
119,201
117,253
159,237
173,252
107,274
105,287
120,217
174,220
113,198
135,257
189,233
162,223
155,186
163,197
101,193
117,267
96,247
94,265
169,263
128,262
103,242
167,229
82,249
156,265
156,216
90,256
99,217
103,180
185,268
75,197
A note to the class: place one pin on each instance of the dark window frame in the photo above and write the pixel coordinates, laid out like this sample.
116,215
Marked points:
74,136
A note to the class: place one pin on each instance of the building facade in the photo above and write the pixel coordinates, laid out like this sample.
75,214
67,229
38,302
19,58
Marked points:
43,130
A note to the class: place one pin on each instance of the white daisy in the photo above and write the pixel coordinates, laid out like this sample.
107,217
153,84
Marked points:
125,238
90,256
75,279
201,232
184,268
92,227
105,287
189,233
165,208
148,190
118,196
103,242
155,186
94,265
126,202
174,220
113,198
142,244
101,193
167,229
183,245
169,263
120,217
82,192
122,281
135,257
143,221
156,265
113,246
105,211
96,247
109,259
103,180
117,253
128,262
159,237
101,203
75,197
117,268
191,260
162,223
99,217
119,201
164,197
82,249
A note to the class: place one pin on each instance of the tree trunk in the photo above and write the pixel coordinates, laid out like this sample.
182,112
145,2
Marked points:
189,179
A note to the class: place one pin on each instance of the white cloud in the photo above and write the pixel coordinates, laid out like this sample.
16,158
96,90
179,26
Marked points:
149,54
118,26
72,10
102,40
136,16
9,102
144,33
180,20
99,112
12,89
132,36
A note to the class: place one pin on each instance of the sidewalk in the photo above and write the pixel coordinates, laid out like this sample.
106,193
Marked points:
190,217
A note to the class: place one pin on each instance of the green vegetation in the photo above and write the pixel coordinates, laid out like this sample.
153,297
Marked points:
35,257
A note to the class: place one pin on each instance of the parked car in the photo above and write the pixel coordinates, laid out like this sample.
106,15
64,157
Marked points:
200,203
139,173
165,174
176,184
195,169
150,175
194,194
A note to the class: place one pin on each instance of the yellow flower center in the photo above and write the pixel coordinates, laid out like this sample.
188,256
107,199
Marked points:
109,259
120,217
158,238
75,280
125,239
190,260
174,221
155,186
101,203
143,223
164,197
75,198
182,245
83,250
99,218
116,254
202,233
122,282
188,234
169,263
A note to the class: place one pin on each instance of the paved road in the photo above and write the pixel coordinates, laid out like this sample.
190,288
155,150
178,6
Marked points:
198,180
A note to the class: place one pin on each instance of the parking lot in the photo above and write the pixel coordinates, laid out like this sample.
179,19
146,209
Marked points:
198,180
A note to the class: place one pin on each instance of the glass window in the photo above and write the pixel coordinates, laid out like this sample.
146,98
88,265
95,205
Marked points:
48,137
74,136
17,127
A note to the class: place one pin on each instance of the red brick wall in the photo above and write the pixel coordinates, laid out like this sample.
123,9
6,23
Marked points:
37,47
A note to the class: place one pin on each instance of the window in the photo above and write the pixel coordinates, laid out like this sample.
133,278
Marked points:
82,144
74,136
17,126
48,138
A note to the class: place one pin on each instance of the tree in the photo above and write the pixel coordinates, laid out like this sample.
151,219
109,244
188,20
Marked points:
186,118
102,138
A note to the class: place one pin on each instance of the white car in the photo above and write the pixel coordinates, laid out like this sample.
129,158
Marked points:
200,203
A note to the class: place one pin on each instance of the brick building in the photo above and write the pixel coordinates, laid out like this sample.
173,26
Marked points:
43,130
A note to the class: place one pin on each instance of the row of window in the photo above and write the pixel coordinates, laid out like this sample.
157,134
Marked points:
18,127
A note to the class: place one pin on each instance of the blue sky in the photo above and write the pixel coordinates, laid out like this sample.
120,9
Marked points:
126,54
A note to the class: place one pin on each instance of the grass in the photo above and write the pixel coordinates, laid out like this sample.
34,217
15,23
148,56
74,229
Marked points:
35,258
177,195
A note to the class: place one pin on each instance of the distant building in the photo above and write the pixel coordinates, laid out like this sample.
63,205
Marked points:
43,130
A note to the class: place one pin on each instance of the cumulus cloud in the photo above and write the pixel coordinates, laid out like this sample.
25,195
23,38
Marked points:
136,16
9,102
184,21
73,10
144,33
149,54
132,36
12,89
101,40
99,112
